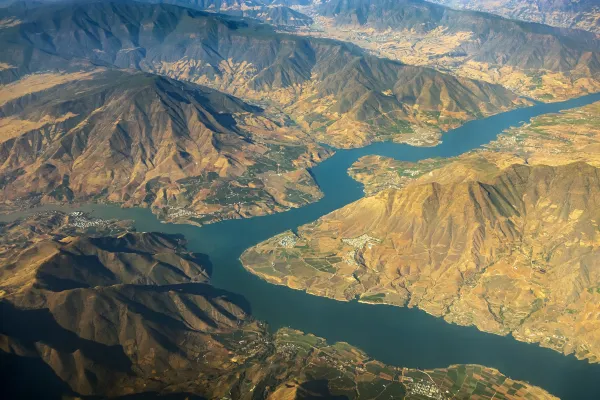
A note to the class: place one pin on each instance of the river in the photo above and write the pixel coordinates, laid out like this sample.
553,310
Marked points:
394,335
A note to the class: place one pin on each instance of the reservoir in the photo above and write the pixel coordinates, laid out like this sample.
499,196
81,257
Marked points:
394,335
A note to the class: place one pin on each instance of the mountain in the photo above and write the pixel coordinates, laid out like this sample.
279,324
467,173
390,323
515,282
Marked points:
279,16
274,14
99,311
134,138
264,11
504,238
343,96
542,62
581,14
163,337
131,258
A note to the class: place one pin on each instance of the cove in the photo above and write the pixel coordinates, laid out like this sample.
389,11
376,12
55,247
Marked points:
394,335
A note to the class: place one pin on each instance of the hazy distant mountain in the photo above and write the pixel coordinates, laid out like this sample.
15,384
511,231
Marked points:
580,14
493,40
543,62
279,16
265,11
275,14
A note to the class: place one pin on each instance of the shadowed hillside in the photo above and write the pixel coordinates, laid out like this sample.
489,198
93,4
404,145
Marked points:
139,139
503,238
534,60
334,90
135,337
580,14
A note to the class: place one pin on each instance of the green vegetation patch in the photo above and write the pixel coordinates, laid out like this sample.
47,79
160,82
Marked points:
536,79
373,389
320,264
399,127
595,290
297,196
193,185
374,298
228,194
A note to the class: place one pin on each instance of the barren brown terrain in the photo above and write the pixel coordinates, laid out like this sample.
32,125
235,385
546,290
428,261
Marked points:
188,152
91,308
539,62
505,238
580,14
334,91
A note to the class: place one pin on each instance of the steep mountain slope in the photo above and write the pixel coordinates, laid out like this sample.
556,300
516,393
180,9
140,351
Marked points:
278,15
539,61
105,338
144,259
550,139
138,139
517,253
580,14
275,14
344,97
504,238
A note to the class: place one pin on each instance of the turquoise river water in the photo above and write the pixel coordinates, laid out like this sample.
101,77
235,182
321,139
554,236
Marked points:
394,335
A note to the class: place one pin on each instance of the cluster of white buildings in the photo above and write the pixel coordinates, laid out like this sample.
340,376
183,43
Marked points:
179,212
361,241
425,389
288,241
79,219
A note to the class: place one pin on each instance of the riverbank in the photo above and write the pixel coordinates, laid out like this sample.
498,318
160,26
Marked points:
393,335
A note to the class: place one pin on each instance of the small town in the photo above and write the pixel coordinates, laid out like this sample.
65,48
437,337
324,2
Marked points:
81,220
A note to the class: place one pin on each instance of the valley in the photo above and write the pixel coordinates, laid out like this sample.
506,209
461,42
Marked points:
582,14
225,116
532,60
393,335
110,312
502,238
188,152
187,187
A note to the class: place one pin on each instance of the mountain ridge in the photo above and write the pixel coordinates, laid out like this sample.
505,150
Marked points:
170,146
503,238
164,339
291,73
582,14
534,60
